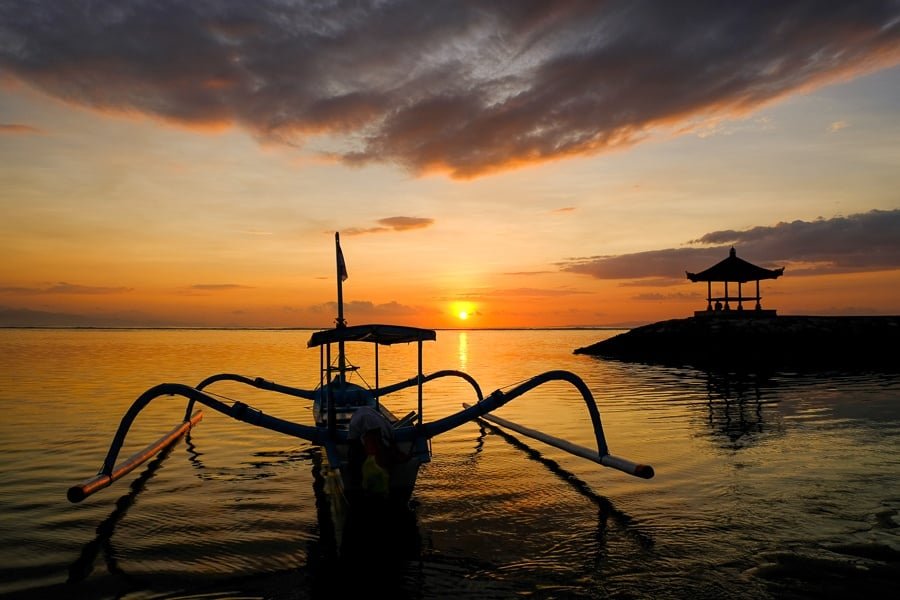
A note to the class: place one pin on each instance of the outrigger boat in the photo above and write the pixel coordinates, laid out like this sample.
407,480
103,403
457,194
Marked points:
372,455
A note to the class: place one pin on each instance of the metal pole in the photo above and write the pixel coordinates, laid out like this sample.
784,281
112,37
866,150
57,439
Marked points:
420,383
341,275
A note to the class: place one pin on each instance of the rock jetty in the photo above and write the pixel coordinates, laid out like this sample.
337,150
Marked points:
752,344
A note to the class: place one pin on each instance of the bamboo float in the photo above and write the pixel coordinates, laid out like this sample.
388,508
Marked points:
607,460
79,492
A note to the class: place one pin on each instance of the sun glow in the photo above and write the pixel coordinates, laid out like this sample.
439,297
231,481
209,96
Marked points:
463,311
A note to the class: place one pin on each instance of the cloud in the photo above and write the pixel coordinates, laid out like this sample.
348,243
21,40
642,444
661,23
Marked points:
460,88
16,128
217,287
657,297
526,273
519,293
652,282
857,243
392,224
405,223
837,126
21,317
363,310
206,289
65,288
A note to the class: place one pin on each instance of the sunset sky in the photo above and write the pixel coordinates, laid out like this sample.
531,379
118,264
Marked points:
518,163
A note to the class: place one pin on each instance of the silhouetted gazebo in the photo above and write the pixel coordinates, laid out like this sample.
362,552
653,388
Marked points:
733,269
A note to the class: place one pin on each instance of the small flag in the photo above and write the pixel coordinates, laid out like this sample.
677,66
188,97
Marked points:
342,266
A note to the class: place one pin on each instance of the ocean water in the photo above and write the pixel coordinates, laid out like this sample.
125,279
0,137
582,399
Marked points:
778,486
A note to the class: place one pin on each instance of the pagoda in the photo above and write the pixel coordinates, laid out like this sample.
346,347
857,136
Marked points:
733,269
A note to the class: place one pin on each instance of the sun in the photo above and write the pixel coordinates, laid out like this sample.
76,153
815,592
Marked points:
463,311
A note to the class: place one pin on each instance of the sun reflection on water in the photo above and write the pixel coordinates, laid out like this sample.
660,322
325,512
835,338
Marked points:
463,350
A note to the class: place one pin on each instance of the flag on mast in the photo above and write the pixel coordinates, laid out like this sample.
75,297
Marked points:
342,266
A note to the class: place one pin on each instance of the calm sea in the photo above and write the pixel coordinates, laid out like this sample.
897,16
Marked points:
785,486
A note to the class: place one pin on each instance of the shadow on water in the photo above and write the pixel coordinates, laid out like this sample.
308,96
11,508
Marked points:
606,510
362,554
736,406
84,564
368,551
364,551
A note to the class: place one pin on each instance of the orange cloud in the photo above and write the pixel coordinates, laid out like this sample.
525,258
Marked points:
16,128
392,224
215,287
65,288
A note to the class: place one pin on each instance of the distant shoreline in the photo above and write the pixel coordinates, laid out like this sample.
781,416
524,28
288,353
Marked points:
197,328
760,344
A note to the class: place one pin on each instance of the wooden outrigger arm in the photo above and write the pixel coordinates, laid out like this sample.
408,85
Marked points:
110,471
607,460
600,456
79,492
240,411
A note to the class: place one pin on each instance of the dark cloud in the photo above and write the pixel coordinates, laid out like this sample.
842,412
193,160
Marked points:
456,87
392,224
857,243
664,264
65,288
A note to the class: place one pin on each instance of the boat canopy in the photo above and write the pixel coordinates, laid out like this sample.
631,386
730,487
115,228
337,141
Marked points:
375,334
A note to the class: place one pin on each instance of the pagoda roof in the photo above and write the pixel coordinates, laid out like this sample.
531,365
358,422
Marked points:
735,269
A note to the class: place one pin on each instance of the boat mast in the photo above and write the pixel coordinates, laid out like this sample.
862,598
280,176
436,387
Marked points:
340,322
341,276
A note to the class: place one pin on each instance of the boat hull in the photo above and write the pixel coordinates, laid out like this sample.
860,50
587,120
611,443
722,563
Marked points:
350,470
356,511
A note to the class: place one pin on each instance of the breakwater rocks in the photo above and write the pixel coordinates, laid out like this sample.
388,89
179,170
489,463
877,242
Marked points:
752,344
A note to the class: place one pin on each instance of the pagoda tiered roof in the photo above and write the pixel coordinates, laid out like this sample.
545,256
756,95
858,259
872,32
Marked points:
735,269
